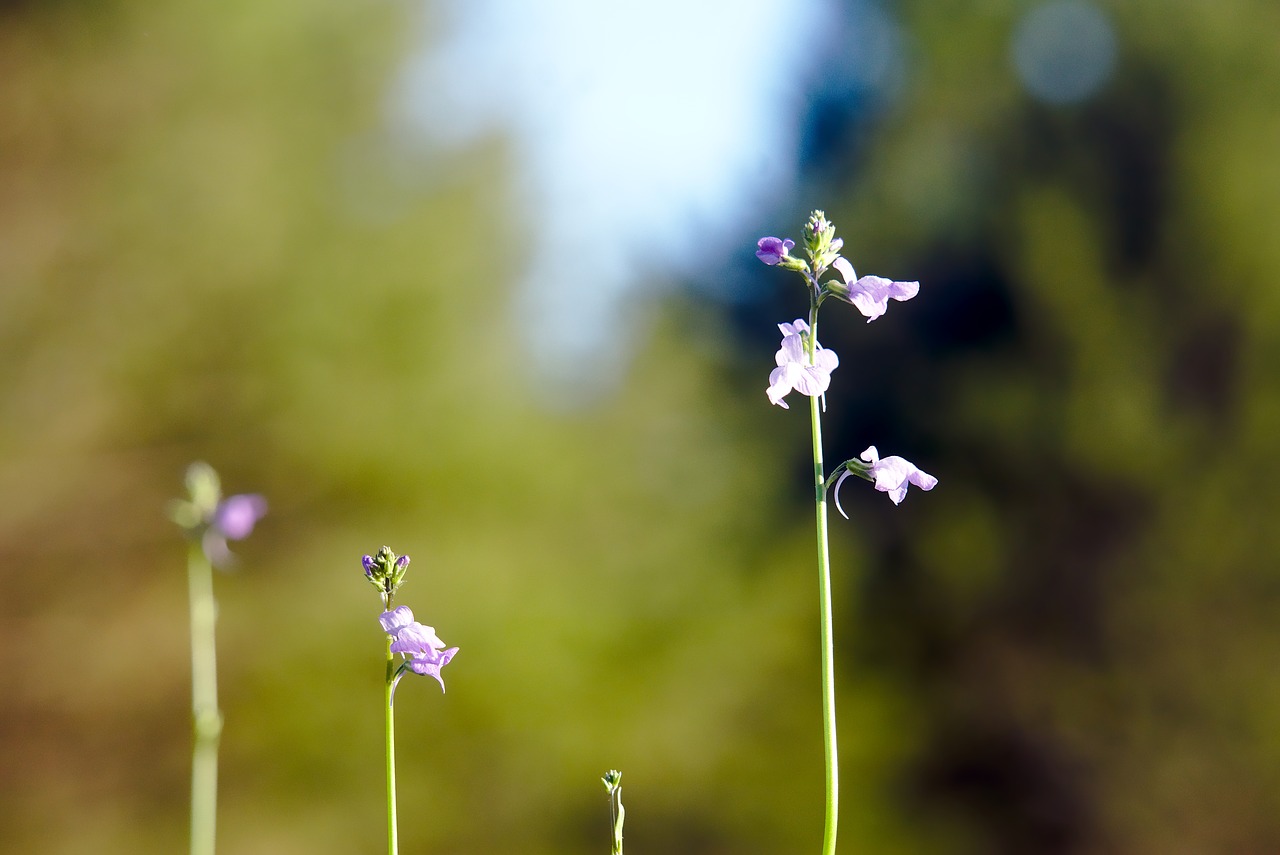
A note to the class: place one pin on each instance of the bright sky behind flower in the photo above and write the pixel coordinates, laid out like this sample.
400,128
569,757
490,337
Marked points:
645,137
641,134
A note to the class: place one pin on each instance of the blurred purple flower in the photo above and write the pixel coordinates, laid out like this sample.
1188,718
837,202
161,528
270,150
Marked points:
418,643
772,250
794,370
233,519
870,294
891,475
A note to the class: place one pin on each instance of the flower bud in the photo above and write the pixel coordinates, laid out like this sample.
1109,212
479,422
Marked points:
385,570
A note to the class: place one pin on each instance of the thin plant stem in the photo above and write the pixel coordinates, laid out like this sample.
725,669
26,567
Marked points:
206,717
824,603
391,750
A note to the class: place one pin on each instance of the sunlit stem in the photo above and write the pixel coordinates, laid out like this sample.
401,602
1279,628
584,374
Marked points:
206,717
391,749
617,815
824,603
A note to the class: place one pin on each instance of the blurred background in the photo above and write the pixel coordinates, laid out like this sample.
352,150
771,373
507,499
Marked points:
475,280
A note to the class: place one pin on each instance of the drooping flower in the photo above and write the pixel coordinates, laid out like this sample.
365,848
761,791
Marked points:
891,475
419,644
869,294
794,370
772,250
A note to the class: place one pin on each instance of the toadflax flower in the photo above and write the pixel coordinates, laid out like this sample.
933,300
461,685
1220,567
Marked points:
794,370
213,520
891,475
423,650
772,250
870,294
233,519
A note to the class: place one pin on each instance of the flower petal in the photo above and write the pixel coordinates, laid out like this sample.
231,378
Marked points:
772,250
792,351
416,639
396,619
429,666
781,382
236,515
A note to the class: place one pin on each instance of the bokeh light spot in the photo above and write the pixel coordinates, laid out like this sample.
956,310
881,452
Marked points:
1064,51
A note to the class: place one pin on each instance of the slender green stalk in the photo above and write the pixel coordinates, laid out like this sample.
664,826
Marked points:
617,813
824,603
206,717
391,750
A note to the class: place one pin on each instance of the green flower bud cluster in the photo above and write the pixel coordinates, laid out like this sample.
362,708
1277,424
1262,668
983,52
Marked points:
205,491
821,243
385,571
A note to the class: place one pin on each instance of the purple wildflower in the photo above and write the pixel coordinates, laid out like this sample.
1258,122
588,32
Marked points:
772,250
891,475
871,294
233,519
794,370
421,646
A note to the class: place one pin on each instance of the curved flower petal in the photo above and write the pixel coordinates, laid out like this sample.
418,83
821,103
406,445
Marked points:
871,294
791,352
772,250
846,270
429,666
416,639
781,381
396,619
893,474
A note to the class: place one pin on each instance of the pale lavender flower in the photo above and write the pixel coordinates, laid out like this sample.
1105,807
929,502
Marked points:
772,250
418,643
891,475
794,370
233,519
871,294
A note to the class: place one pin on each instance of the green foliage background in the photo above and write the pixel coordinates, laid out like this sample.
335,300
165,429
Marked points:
205,254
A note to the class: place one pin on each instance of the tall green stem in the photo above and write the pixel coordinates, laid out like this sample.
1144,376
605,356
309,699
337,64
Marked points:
206,717
391,750
824,602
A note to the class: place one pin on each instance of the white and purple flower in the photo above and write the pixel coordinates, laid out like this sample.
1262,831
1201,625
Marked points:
869,294
891,475
794,370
